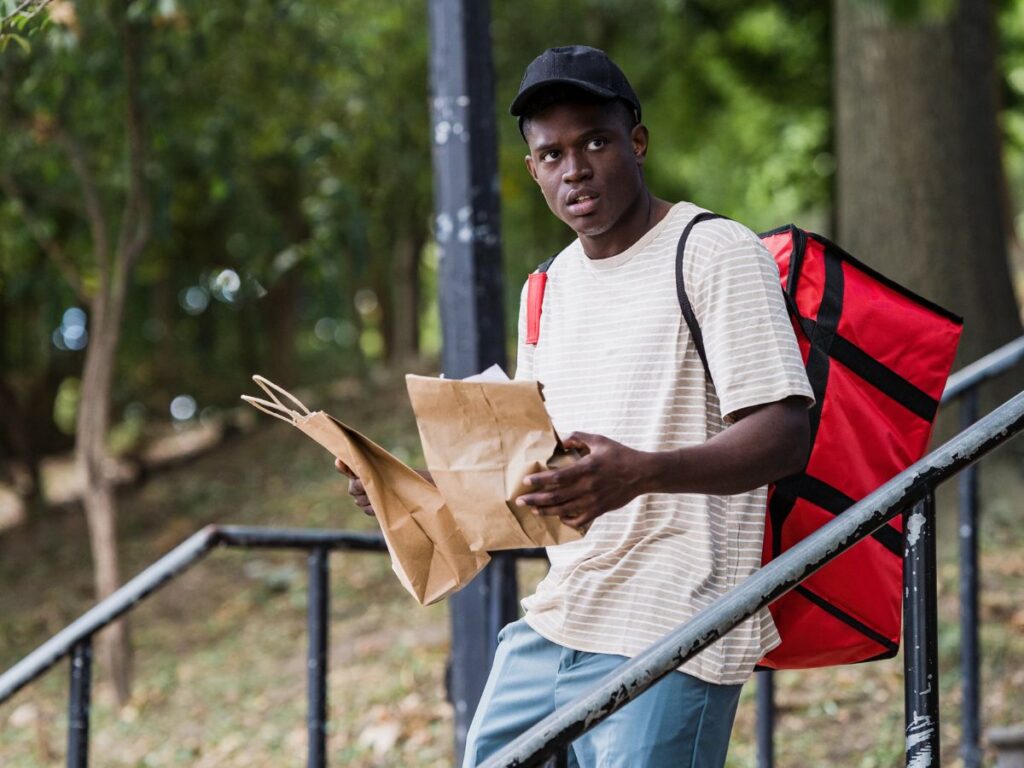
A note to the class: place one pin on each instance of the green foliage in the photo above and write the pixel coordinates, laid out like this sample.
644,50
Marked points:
1011,27
289,160
736,96
288,152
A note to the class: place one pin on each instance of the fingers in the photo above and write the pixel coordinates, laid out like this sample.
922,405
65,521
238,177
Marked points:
582,441
558,478
360,497
571,509
580,522
576,512
547,499
355,488
575,515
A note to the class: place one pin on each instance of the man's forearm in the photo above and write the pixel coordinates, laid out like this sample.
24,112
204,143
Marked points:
766,445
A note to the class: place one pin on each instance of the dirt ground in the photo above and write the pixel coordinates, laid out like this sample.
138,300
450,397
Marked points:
220,652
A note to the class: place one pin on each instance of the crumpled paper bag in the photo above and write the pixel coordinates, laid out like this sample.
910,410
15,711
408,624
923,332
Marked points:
429,553
481,436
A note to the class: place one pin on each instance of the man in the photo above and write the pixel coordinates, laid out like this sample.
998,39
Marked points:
673,468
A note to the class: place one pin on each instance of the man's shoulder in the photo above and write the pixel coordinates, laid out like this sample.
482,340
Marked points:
721,232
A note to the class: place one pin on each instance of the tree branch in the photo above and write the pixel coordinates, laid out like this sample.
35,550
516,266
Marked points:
27,4
91,197
49,246
137,217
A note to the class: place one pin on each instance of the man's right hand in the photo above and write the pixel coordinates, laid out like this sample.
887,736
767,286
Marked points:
355,488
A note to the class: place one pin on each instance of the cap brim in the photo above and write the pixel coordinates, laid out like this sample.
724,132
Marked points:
521,101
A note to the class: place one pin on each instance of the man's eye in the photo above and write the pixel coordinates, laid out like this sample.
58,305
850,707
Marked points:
549,155
596,143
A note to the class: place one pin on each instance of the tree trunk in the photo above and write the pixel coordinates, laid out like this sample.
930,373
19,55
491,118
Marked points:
279,309
115,267
405,294
921,191
98,492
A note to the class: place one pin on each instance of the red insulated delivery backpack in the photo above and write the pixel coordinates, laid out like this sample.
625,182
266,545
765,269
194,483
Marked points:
877,357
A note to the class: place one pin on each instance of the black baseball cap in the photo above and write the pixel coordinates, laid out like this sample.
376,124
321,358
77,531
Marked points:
578,66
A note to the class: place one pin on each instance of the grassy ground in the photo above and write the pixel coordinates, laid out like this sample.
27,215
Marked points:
220,652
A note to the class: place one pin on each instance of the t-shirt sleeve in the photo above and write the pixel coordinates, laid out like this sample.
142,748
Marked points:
737,298
524,351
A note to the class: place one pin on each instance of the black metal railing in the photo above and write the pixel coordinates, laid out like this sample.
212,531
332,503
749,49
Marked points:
963,386
75,640
915,485
910,493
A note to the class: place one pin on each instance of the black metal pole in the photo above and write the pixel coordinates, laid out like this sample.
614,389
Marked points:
316,672
78,704
766,719
920,636
466,227
970,748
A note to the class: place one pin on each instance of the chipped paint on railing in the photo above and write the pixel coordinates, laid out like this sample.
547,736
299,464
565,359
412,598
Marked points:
914,525
920,733
763,587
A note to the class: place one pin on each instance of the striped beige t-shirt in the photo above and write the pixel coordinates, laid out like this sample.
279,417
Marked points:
615,358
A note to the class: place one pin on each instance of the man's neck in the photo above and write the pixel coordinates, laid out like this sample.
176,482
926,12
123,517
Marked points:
640,219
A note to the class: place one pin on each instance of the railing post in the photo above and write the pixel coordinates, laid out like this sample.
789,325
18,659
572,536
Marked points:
968,529
920,636
316,672
766,719
78,704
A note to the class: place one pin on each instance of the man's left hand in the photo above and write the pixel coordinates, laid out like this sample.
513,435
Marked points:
609,476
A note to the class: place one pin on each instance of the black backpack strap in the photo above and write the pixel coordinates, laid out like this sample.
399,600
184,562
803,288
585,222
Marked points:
544,266
684,301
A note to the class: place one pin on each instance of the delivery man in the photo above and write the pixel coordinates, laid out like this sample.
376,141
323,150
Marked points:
674,467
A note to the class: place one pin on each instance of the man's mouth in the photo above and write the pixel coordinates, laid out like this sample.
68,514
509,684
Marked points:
581,203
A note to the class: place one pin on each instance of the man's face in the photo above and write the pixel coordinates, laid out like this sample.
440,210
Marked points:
587,163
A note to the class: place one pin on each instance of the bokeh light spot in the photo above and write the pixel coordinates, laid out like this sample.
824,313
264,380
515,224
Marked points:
183,407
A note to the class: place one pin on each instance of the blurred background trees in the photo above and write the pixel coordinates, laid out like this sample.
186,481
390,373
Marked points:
266,167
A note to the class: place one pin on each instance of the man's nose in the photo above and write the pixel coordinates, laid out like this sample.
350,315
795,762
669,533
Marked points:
576,168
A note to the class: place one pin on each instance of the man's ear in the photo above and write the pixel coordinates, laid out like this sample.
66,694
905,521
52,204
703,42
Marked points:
640,137
531,167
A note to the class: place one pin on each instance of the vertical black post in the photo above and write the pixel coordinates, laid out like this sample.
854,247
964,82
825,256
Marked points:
467,229
766,719
78,704
316,660
920,636
969,648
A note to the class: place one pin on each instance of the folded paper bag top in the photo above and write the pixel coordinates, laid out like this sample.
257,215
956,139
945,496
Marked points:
481,437
429,554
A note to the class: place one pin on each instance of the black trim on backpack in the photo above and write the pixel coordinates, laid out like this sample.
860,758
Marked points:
545,265
826,327
850,621
798,250
886,380
887,281
877,374
821,336
834,501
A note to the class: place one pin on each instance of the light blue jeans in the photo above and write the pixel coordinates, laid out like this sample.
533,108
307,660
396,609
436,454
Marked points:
681,721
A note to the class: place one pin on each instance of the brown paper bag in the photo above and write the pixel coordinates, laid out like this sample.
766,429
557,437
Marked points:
480,439
429,553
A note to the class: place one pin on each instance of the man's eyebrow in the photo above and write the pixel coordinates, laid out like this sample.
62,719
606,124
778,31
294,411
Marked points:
544,147
579,138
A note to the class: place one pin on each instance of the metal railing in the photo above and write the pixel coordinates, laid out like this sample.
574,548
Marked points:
911,493
551,737
75,640
963,386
